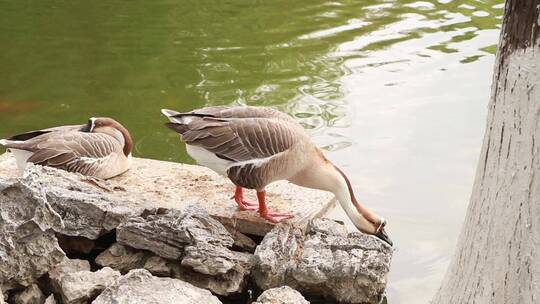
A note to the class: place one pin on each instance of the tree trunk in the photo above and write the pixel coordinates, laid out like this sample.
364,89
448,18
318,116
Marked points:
497,259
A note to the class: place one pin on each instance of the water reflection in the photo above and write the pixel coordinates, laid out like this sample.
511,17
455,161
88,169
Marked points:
395,91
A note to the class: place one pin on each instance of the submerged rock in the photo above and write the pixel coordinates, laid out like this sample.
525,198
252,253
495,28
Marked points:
28,247
326,260
31,295
281,295
139,286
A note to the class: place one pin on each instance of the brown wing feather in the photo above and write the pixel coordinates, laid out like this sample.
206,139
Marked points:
240,139
51,157
238,112
36,133
73,151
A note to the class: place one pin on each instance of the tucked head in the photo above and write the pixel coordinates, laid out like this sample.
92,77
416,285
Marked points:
110,127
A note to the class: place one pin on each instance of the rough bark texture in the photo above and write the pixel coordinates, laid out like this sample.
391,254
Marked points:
497,259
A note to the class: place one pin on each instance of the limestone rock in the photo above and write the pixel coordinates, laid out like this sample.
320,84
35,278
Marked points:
65,267
204,265
281,295
31,295
326,260
242,241
215,260
166,234
139,286
122,258
159,266
28,247
50,300
227,270
91,207
87,207
75,283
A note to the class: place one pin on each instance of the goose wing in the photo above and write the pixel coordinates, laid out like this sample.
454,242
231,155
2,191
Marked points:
72,150
238,139
231,112
35,133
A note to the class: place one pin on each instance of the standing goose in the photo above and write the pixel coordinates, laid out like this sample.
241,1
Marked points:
255,146
101,148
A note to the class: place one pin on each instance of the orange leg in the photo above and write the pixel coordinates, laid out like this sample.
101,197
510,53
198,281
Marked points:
239,199
269,215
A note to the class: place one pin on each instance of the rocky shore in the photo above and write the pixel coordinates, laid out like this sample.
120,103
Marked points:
69,239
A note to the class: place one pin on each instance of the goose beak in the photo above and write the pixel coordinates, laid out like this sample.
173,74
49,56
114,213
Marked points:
381,233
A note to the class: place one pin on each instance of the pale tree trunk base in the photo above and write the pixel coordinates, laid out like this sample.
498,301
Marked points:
497,259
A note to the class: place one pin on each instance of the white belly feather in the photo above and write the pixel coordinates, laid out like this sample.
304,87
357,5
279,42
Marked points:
21,157
219,165
209,159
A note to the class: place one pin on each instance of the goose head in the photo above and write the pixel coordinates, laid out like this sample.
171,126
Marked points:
364,219
110,127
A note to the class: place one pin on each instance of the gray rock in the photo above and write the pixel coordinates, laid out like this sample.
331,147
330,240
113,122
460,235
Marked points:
281,295
241,240
75,283
50,300
227,270
28,247
122,258
139,286
275,256
204,265
159,266
326,260
166,234
2,297
84,286
65,267
89,208
216,260
31,295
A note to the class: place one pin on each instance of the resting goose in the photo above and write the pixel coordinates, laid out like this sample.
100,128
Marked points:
255,146
101,148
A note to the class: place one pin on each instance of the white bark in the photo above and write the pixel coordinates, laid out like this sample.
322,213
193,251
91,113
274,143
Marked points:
497,259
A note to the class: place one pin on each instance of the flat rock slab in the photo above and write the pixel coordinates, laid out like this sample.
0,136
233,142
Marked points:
159,184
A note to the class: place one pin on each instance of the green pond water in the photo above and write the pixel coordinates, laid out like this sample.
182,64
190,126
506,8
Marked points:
395,91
